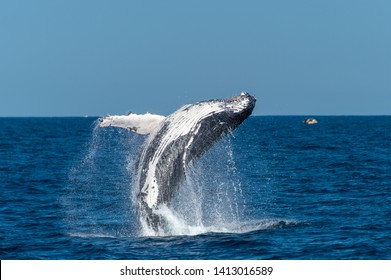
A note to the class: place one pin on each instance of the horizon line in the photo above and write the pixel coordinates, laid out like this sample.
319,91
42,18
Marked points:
257,115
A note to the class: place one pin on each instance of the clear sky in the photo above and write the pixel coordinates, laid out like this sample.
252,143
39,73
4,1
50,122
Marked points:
79,57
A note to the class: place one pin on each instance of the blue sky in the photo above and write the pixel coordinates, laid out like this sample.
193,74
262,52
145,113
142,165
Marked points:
74,58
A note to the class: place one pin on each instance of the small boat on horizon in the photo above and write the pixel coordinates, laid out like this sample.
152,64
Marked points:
310,121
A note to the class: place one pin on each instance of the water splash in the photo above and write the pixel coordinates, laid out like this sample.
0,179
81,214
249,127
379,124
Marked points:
96,200
210,199
101,197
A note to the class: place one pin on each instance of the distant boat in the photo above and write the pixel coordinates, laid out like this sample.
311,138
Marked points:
310,121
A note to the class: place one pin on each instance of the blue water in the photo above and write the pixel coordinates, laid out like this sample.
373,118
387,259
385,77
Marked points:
274,189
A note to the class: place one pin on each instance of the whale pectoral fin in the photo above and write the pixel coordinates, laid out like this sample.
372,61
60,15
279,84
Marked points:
141,124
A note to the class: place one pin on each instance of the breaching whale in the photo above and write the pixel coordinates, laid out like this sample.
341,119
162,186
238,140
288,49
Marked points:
173,143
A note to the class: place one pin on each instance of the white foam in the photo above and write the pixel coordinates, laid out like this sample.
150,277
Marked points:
176,225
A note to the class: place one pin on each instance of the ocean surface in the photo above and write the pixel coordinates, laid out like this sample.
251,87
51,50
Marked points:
273,189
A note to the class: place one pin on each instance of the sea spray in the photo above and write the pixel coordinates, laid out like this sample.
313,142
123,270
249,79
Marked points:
96,200
210,199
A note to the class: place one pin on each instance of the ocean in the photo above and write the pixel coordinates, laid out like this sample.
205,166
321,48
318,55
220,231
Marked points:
273,189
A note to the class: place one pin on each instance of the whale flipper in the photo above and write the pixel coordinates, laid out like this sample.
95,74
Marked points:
141,124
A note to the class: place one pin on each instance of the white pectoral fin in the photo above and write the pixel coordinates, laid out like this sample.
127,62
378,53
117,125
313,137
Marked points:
142,124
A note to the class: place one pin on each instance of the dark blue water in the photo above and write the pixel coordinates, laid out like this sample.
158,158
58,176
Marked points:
274,189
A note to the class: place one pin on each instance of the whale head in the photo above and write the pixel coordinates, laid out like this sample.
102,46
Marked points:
238,108
199,126
221,116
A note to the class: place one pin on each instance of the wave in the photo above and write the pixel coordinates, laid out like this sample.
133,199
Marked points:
91,235
176,225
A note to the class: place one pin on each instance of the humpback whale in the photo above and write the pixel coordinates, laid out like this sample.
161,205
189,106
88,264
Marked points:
175,141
